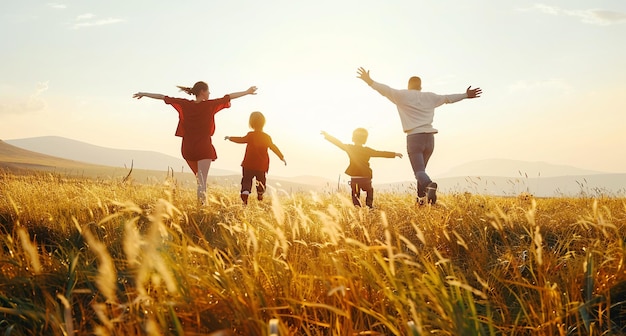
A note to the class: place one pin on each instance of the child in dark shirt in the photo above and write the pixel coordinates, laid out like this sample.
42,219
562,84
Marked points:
256,161
359,169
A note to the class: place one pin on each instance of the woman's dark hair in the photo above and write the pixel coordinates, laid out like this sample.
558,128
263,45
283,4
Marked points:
196,89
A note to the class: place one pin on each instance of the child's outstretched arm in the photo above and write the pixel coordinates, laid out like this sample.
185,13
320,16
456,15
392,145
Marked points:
278,153
251,91
385,154
140,95
333,140
236,139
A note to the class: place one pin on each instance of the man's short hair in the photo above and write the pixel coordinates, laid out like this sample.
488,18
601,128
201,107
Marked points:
415,83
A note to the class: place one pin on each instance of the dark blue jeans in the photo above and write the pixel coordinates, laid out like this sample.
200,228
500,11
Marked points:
362,183
420,147
246,181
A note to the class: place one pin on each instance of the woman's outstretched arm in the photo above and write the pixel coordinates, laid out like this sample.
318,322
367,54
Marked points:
140,95
251,90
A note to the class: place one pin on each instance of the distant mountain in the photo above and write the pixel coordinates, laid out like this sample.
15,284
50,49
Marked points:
515,168
88,153
504,177
559,186
573,185
16,157
23,161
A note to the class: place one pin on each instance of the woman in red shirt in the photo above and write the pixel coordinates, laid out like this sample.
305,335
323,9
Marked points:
196,125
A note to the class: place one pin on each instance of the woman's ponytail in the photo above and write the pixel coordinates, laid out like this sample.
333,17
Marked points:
196,89
185,89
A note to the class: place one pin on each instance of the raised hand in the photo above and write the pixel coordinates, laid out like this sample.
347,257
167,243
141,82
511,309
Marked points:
364,75
473,93
251,90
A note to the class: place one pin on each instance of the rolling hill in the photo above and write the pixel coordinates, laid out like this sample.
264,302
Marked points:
515,168
493,176
12,156
80,151
21,161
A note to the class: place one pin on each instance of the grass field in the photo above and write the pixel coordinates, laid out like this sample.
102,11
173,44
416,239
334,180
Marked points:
83,257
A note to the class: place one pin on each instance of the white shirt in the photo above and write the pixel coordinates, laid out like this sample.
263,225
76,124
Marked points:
416,108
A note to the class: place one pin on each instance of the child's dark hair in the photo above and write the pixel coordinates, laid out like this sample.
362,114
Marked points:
196,89
257,121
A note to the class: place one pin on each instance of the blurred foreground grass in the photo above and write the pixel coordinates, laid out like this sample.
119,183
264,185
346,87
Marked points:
84,257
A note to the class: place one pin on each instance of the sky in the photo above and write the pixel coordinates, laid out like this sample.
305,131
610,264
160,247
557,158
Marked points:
553,75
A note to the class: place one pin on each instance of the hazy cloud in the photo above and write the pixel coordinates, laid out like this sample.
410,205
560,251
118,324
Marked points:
85,16
56,5
599,17
539,85
20,105
86,20
546,9
590,16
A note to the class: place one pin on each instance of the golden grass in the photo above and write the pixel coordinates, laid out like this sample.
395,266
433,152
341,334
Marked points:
101,257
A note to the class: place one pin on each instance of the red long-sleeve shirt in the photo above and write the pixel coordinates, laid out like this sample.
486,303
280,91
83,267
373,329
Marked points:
256,157
196,125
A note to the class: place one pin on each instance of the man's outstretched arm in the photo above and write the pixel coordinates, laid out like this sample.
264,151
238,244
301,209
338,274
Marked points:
364,75
383,89
453,98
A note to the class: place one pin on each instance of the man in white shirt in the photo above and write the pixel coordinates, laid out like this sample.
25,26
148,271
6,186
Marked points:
417,110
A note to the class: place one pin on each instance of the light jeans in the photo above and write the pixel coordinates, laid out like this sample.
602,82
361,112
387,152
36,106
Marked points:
420,147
